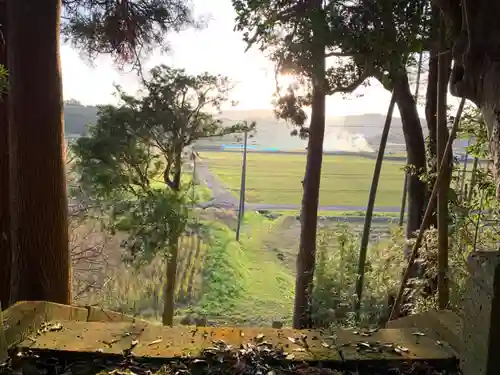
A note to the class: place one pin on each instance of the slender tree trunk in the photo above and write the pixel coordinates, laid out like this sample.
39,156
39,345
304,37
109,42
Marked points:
369,208
306,258
415,147
5,250
431,105
431,115
40,261
442,196
169,291
171,276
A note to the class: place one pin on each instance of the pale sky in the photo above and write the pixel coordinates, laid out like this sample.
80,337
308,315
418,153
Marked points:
216,49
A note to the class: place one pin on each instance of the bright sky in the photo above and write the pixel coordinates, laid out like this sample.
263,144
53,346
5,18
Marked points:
216,49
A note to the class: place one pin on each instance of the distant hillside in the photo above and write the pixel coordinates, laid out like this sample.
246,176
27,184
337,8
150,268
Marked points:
343,133
77,117
360,133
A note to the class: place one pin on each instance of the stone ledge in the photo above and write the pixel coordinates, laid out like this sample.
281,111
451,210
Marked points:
24,318
159,342
443,325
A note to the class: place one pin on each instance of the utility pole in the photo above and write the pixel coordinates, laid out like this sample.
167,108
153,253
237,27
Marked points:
241,210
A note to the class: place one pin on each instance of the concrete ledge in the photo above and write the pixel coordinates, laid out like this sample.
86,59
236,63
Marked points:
443,325
147,340
97,314
25,318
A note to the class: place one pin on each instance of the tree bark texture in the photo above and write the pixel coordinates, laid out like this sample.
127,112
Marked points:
415,148
169,290
5,250
171,275
442,195
431,107
431,115
475,32
40,261
306,258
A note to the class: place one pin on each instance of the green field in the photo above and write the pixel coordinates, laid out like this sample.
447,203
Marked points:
276,178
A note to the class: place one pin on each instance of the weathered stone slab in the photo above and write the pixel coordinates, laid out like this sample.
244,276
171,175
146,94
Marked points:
307,345
481,306
111,338
25,318
97,314
390,345
443,325
174,342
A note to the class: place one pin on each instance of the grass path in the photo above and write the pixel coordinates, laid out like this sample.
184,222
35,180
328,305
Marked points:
243,282
270,284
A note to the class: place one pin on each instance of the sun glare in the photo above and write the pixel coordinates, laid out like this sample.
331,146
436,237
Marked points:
284,81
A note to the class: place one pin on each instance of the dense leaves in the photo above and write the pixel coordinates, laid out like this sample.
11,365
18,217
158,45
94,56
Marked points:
125,29
119,171
363,38
176,110
131,161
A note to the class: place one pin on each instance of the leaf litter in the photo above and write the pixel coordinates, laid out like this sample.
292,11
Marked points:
256,357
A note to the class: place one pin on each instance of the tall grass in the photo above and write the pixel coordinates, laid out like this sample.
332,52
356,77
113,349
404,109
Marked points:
336,273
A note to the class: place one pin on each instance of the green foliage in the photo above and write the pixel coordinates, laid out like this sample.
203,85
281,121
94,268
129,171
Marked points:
223,283
177,104
360,39
174,112
336,274
116,169
4,80
154,222
124,29
473,127
112,160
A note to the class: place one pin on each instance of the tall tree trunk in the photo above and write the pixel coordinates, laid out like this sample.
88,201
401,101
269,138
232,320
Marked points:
306,258
40,261
415,148
475,31
171,275
431,105
5,250
169,290
442,196
431,119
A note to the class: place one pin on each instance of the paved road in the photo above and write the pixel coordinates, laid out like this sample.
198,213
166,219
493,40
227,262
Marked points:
223,198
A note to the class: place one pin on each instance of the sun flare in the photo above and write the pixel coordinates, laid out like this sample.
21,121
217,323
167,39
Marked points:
285,81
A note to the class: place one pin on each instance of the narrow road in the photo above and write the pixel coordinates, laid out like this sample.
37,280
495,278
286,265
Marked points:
223,198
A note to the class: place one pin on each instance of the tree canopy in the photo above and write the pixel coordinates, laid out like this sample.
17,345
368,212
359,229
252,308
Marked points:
125,29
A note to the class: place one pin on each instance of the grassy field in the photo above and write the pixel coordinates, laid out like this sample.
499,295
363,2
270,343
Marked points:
276,178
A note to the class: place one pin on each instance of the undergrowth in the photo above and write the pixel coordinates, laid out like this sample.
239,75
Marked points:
223,275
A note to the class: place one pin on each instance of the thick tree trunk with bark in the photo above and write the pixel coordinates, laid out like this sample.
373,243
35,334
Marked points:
306,258
40,261
5,250
415,147
475,76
